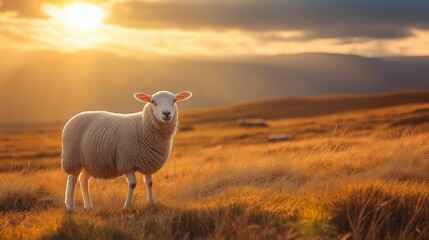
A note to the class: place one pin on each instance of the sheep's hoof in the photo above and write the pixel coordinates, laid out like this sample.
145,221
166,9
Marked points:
88,209
70,210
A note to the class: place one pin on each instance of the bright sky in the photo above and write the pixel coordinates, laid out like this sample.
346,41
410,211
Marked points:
141,28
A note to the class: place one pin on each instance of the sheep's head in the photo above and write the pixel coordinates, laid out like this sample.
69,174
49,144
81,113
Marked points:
163,103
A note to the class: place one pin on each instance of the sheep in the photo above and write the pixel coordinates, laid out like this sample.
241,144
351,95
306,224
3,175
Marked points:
107,145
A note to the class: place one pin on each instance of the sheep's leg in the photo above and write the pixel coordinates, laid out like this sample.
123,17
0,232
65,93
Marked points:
69,196
148,182
84,187
131,178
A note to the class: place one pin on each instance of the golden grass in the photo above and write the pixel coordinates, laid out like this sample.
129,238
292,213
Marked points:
358,175
376,212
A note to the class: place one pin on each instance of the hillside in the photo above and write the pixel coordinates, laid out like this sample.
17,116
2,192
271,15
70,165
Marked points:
355,167
301,118
46,87
301,107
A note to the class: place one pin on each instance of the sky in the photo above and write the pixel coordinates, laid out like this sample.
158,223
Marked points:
219,28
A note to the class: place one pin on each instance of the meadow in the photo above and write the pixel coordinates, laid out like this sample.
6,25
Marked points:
354,168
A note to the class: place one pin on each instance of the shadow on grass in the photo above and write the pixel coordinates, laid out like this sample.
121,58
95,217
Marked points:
235,221
71,228
232,221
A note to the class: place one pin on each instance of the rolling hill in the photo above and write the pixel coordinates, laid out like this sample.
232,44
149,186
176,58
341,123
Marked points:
301,118
303,107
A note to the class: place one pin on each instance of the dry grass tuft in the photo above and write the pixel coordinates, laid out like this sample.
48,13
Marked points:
376,213
23,195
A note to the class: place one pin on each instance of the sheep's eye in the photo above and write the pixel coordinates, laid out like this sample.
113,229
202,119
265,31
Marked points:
174,100
154,103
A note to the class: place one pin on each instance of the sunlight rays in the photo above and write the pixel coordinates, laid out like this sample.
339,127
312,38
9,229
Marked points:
76,25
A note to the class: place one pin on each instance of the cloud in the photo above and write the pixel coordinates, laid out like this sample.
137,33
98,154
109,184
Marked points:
153,34
28,8
381,19
43,34
33,8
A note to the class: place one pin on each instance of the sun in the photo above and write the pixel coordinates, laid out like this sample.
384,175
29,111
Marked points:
83,17
78,17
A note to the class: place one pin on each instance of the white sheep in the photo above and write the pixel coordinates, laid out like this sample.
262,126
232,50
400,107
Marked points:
107,145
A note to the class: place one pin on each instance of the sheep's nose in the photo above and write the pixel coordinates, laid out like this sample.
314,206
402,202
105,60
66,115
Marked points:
167,114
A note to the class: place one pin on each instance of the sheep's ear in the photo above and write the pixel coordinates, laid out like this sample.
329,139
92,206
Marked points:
183,96
142,97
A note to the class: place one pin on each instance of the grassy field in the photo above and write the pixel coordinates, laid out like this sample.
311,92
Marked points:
356,172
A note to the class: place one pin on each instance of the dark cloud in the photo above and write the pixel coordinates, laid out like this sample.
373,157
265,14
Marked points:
382,19
342,19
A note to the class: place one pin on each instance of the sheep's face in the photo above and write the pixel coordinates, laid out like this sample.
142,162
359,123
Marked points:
163,103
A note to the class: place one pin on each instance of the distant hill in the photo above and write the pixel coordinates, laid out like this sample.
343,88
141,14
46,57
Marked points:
51,86
301,107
